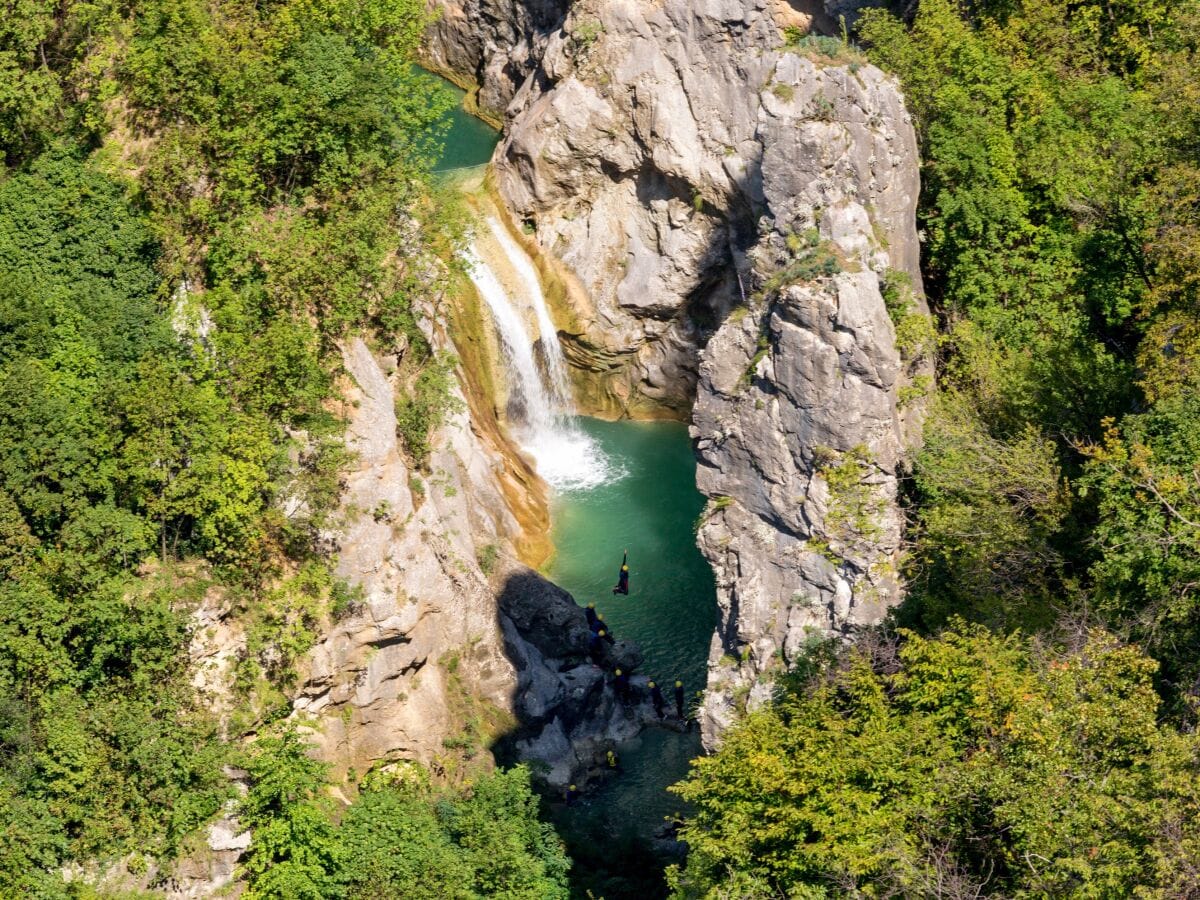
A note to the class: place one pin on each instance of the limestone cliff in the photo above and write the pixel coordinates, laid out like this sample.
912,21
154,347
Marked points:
493,44
634,151
438,651
727,208
441,653
379,679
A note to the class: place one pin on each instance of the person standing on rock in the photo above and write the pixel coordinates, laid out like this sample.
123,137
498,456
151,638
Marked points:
656,698
595,645
590,612
603,629
679,699
572,795
623,577
621,685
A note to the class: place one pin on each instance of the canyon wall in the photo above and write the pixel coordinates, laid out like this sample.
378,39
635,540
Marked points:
727,210
455,645
442,649
807,401
491,44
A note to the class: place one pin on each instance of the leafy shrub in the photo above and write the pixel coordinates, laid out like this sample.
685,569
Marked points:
427,406
941,762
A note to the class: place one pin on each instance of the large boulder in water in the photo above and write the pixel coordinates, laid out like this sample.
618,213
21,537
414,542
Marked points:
567,711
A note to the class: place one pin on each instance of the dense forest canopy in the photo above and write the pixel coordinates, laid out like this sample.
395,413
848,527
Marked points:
199,200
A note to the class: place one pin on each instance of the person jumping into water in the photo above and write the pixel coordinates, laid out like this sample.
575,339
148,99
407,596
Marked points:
623,578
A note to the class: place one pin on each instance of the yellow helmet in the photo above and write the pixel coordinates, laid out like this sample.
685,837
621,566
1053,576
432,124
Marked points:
679,684
652,684
618,671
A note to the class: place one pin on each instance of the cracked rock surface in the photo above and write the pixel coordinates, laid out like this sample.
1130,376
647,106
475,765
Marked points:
726,209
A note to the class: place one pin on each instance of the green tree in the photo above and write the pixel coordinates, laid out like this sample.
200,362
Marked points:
294,852
30,92
1145,477
191,460
415,843
970,764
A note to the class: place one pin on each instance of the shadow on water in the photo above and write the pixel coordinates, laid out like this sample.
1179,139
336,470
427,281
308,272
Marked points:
649,506
546,637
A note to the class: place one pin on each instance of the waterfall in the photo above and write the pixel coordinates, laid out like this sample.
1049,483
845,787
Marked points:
552,355
527,387
540,408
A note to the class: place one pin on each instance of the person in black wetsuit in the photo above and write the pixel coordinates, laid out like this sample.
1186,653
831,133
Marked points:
590,612
679,699
621,685
595,645
614,765
656,698
623,576
605,631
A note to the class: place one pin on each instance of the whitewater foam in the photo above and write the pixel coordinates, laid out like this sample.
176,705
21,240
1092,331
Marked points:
564,456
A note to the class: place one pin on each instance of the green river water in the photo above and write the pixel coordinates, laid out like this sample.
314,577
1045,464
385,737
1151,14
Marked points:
650,507
647,505
470,141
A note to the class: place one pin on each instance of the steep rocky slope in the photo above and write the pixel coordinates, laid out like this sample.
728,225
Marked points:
493,43
445,647
452,645
725,210
440,652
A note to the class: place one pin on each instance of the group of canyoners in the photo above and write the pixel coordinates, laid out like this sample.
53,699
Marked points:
600,634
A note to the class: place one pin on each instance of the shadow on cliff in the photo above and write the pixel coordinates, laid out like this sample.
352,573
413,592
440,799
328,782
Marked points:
564,702
566,716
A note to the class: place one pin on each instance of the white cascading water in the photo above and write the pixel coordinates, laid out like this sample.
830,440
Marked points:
552,355
565,457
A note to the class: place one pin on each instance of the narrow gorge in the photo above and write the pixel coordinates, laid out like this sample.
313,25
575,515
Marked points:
625,449
692,213
725,203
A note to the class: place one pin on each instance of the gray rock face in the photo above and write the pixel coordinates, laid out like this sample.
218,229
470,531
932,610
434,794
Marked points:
799,427
650,144
567,710
494,42
385,681
378,680
726,208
